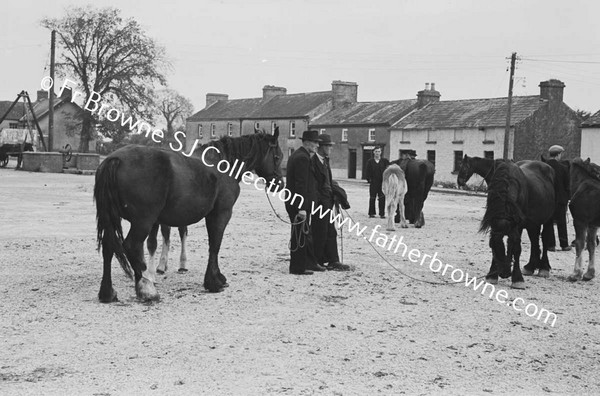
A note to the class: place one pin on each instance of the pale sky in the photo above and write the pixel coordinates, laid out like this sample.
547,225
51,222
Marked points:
389,48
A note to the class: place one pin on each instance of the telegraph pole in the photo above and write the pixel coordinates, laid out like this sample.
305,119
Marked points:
513,59
51,95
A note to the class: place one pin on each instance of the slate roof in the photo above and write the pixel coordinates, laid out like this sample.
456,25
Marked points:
593,121
16,113
41,107
280,106
470,113
371,113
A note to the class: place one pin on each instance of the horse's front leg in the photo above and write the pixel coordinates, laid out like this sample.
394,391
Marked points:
152,244
163,264
183,232
401,211
134,250
591,246
216,222
580,237
547,241
514,247
534,256
498,258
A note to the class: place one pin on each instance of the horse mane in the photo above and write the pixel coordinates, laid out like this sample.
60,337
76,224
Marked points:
589,168
246,148
499,205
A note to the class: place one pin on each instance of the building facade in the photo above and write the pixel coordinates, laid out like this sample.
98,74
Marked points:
590,138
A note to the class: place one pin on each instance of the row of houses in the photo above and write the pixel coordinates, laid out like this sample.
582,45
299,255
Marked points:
440,131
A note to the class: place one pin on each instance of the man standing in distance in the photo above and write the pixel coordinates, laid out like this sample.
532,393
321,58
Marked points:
374,175
324,232
300,179
561,190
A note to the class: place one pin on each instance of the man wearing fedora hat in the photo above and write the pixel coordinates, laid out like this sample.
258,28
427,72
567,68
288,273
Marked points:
300,179
324,232
561,189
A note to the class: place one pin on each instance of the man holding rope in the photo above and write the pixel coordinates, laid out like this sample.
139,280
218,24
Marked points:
300,179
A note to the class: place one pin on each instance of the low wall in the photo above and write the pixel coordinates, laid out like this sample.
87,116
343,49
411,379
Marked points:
86,161
42,162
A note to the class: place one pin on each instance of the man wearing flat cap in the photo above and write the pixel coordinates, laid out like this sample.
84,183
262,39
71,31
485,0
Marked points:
324,232
300,179
562,193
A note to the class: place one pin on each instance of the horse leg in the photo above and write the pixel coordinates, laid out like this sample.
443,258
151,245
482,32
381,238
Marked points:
216,222
591,246
152,244
498,258
107,294
514,243
547,239
534,256
183,232
164,253
402,217
580,237
390,205
134,250
418,206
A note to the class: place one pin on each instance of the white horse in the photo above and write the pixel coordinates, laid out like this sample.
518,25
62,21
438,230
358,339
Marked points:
394,188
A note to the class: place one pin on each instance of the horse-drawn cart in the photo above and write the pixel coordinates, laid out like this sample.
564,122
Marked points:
13,142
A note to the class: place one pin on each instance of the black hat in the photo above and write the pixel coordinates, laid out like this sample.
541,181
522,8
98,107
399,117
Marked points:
325,140
312,136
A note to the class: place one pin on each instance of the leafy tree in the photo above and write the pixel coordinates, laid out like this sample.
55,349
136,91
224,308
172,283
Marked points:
175,108
111,56
584,115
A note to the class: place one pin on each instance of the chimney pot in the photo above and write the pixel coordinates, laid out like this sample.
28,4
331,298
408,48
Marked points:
344,92
426,86
212,98
41,94
432,86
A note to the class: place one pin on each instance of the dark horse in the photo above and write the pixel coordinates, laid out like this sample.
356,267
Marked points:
147,185
484,167
152,244
519,196
585,209
419,179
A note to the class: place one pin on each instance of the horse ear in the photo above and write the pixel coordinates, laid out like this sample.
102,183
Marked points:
587,161
276,133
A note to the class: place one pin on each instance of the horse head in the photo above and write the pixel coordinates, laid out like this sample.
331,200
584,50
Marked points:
269,167
465,171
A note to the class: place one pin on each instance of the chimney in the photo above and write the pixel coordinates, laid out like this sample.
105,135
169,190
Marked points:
552,90
66,93
344,92
41,94
270,91
212,98
428,95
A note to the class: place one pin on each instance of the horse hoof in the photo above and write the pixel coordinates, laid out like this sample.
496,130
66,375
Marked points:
182,270
160,272
588,277
573,278
518,285
146,291
417,225
527,272
108,299
492,281
543,273
390,229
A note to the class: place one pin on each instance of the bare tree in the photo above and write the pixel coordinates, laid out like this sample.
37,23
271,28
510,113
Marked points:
174,107
111,56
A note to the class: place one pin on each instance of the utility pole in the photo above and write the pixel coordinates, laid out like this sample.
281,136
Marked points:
51,95
513,59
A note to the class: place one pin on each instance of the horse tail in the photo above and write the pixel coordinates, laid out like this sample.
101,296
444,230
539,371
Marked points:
108,202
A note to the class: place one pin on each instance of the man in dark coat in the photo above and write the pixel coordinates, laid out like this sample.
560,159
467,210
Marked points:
300,180
374,175
324,232
562,193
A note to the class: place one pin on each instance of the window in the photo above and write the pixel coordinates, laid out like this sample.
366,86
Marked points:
431,136
257,125
458,156
199,131
229,129
488,136
372,135
488,155
405,137
213,130
13,125
344,135
321,131
458,136
431,156
292,129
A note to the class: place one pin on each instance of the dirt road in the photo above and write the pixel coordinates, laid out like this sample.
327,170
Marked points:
372,330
